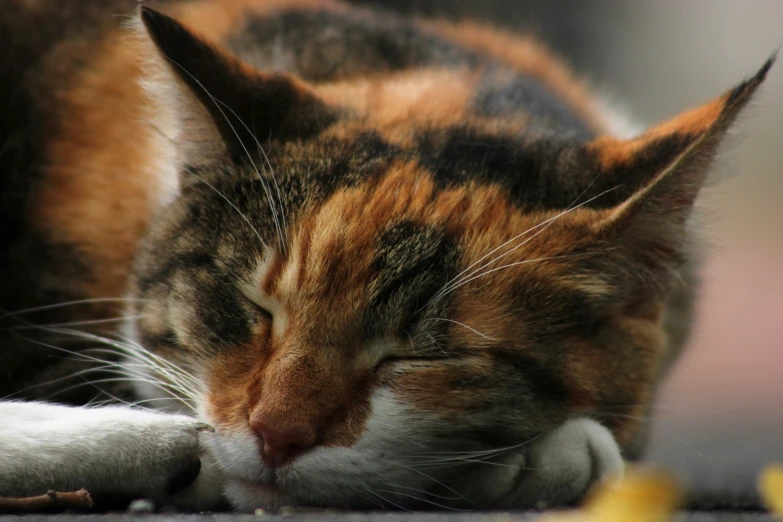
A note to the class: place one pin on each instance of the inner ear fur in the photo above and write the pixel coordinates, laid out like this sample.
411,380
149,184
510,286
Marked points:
223,106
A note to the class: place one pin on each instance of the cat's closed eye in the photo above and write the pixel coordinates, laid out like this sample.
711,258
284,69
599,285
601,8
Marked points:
263,312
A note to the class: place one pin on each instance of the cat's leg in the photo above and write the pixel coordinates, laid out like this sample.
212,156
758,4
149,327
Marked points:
555,469
115,451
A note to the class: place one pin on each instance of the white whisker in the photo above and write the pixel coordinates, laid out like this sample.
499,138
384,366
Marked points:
258,235
545,224
263,154
79,323
70,303
242,143
466,326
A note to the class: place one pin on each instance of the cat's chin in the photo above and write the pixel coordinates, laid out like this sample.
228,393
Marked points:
249,496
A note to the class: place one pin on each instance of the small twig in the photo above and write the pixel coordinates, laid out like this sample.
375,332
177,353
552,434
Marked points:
51,501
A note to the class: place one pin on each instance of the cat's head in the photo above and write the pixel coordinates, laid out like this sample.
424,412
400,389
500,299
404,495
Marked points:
372,304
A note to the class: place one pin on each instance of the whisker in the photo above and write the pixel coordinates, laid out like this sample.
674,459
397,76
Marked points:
420,499
425,475
568,208
115,400
462,460
418,490
432,339
137,353
68,303
384,500
79,323
476,453
236,134
138,350
510,265
55,381
413,348
545,224
263,154
258,235
219,193
190,385
466,326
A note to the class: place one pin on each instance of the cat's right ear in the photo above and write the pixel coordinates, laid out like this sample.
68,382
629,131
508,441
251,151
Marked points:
214,106
646,235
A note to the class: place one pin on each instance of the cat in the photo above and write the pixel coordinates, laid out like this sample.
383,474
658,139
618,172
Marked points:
330,256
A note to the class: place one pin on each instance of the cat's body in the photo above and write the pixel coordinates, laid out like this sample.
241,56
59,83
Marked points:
373,255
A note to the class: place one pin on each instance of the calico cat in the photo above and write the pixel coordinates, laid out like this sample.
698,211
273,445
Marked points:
341,258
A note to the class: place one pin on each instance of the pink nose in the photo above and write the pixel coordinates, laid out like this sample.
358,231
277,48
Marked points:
281,444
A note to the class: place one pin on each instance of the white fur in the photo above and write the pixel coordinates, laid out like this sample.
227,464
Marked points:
554,469
116,450
562,465
618,119
384,468
325,475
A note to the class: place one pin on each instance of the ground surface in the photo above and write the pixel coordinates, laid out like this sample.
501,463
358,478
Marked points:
362,517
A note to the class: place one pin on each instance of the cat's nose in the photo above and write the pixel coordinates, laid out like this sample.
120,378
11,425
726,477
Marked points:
281,443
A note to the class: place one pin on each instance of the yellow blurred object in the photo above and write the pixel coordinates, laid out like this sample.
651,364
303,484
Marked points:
771,488
641,496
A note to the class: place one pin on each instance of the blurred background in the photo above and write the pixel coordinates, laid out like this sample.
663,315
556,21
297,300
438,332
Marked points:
720,416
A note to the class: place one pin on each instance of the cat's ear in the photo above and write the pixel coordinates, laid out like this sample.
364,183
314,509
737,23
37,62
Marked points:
666,166
222,105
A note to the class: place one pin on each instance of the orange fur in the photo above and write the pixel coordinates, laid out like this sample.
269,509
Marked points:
613,151
101,168
398,104
525,55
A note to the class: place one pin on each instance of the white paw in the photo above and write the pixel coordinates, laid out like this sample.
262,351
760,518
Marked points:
156,456
114,451
553,470
562,465
203,494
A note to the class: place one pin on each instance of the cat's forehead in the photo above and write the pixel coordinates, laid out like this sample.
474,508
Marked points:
399,238
348,251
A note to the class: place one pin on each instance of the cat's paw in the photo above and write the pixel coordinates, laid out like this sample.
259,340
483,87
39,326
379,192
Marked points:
113,452
162,457
555,469
156,456
562,465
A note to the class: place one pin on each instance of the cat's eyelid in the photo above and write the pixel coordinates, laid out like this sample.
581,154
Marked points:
256,296
270,307
262,309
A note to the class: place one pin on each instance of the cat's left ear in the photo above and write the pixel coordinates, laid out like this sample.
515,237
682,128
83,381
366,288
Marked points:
214,104
666,168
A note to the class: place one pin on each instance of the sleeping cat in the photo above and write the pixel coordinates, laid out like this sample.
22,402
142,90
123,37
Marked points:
333,257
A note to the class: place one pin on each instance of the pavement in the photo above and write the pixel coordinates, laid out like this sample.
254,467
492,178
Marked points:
362,517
